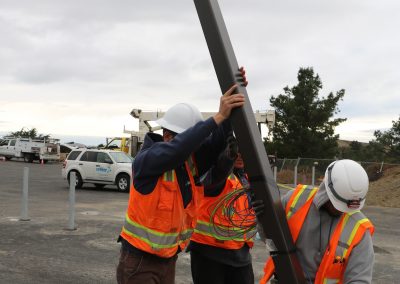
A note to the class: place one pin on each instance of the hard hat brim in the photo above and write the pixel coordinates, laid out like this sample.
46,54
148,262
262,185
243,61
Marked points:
164,124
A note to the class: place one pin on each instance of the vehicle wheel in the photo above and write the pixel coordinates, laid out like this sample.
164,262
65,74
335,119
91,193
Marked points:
123,182
8,158
28,158
79,182
99,185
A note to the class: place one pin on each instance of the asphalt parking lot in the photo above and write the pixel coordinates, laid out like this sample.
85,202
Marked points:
43,251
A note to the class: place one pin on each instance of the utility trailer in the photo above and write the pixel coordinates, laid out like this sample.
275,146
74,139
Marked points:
30,149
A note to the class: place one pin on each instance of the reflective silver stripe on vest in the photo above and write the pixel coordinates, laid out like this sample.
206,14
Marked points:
169,176
330,281
186,235
208,229
300,199
191,165
156,240
351,227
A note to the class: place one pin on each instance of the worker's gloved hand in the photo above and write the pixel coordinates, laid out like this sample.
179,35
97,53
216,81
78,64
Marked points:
241,75
232,148
257,204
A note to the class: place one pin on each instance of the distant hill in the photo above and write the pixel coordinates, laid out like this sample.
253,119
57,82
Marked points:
346,143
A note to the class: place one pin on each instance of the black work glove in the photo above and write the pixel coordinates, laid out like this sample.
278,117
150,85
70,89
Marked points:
257,205
232,147
241,77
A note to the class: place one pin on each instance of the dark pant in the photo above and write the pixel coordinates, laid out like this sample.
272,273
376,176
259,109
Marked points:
148,269
208,271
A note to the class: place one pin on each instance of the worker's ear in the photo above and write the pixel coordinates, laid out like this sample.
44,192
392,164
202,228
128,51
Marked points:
168,135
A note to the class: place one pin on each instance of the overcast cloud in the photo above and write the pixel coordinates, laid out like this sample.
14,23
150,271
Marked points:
79,67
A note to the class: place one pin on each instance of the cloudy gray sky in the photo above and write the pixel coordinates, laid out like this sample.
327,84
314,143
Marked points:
79,67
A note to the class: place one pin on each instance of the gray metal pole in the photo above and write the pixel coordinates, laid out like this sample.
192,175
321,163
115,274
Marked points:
273,220
283,163
295,172
24,202
380,170
313,176
275,173
71,215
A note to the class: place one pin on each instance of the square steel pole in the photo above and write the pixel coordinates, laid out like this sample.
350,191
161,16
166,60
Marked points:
273,220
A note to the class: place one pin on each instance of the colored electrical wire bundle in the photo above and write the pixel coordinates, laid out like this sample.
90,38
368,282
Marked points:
232,216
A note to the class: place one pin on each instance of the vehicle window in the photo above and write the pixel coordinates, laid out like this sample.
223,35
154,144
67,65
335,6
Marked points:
103,157
64,149
12,143
90,156
121,157
3,142
73,155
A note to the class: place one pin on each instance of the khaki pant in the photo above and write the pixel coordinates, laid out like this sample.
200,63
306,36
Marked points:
149,269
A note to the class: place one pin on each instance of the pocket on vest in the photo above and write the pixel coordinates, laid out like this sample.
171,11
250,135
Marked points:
167,199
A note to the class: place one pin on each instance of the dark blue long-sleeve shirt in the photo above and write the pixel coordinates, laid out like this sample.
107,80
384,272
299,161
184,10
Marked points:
157,156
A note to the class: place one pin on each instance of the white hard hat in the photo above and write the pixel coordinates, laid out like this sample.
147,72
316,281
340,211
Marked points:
180,117
346,183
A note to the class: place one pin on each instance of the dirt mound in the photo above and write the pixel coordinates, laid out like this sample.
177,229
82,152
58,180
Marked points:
386,190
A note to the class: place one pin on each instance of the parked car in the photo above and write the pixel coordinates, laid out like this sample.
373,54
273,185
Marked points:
99,167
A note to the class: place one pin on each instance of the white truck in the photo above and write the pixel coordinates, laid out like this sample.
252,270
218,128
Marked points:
30,149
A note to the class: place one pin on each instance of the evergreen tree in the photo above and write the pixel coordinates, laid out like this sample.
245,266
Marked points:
304,126
389,142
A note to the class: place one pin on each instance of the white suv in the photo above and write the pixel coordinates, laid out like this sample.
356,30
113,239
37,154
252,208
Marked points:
99,167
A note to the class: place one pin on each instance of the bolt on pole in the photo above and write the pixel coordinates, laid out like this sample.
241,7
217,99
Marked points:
71,215
273,220
24,201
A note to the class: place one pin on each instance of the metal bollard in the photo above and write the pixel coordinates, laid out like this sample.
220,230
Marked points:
275,172
24,202
295,176
71,219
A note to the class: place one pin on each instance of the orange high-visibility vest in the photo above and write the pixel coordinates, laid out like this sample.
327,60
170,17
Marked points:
157,222
216,232
348,233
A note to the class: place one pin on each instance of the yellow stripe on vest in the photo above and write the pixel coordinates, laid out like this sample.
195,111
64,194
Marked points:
296,198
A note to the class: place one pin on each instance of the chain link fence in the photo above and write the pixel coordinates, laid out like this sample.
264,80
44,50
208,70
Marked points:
311,171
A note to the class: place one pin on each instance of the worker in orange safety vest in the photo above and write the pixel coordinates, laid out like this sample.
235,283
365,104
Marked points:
332,237
219,250
165,193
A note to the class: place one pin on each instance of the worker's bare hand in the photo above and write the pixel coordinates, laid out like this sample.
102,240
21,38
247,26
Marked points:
228,101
